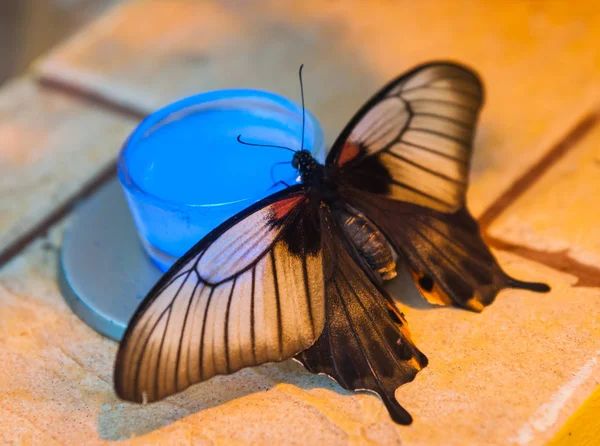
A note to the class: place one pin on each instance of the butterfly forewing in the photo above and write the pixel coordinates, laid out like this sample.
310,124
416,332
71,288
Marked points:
419,127
242,296
403,161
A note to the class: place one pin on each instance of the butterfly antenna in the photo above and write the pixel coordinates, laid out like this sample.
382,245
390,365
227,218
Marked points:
303,109
239,138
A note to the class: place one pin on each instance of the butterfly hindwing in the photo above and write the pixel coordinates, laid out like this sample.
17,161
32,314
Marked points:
365,344
250,292
448,258
413,140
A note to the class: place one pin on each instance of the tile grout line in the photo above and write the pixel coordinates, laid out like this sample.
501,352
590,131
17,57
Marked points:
91,97
41,228
88,188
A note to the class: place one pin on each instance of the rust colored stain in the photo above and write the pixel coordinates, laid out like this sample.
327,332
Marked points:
349,152
283,207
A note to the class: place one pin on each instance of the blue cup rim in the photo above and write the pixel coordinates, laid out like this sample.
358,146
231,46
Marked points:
127,181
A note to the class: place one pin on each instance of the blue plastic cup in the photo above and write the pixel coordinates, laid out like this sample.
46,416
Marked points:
184,172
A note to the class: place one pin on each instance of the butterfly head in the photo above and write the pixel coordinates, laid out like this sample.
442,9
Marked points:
303,161
310,170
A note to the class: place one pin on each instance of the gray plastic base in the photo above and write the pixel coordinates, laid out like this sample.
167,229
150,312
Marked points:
104,271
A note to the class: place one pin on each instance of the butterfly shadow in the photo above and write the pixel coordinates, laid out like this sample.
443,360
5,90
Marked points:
118,420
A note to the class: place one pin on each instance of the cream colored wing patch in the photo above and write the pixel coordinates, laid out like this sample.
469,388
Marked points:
421,128
243,299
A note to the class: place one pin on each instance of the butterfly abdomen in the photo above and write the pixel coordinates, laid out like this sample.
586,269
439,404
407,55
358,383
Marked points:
369,242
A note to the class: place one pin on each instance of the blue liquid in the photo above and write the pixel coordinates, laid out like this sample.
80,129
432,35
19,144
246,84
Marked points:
198,160
184,171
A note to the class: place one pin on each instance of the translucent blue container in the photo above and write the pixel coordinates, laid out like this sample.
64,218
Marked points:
184,172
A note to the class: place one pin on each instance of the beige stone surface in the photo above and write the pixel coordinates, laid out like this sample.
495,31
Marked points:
539,60
509,375
561,212
50,145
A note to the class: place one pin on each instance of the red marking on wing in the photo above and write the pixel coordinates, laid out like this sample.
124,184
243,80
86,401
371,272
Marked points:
350,151
283,207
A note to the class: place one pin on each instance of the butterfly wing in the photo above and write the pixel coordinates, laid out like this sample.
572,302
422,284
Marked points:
365,344
448,259
250,292
413,140
403,160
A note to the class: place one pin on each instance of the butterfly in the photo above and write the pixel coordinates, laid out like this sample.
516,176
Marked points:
299,274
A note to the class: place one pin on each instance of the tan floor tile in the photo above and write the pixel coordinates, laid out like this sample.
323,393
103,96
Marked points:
50,146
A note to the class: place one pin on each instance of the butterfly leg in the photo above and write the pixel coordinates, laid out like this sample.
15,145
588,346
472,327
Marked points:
275,165
278,183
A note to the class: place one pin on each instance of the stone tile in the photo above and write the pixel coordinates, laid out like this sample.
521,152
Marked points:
561,212
510,374
539,61
51,145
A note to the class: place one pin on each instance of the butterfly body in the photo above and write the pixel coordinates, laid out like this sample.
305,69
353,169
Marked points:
315,176
370,243
323,182
298,274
